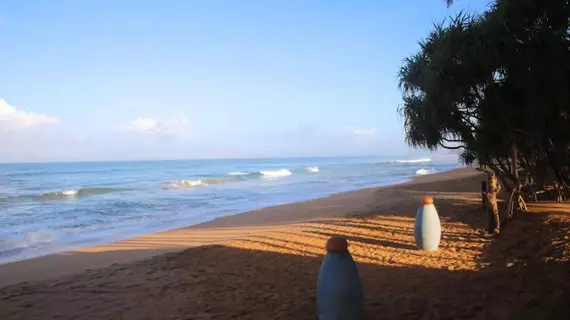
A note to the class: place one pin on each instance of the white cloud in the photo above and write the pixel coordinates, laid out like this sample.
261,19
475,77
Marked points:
12,119
362,132
142,125
28,136
178,126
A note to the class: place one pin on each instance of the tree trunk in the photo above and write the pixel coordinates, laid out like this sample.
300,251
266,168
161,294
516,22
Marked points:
516,164
492,188
516,201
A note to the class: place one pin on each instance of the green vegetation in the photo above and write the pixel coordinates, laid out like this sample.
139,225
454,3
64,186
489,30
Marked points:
497,86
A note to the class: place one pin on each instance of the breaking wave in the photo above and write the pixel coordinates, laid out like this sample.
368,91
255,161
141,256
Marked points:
422,172
193,183
314,169
420,160
238,173
275,173
233,177
81,192
183,184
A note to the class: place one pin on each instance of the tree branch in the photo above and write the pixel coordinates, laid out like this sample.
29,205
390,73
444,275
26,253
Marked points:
451,140
451,148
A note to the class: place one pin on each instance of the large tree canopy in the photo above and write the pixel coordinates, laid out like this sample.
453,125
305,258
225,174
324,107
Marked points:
492,83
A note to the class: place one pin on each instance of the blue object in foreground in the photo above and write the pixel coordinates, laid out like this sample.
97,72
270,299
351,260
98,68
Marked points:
339,289
427,228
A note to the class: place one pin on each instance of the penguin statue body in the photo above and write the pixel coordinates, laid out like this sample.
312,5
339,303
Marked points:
427,228
339,289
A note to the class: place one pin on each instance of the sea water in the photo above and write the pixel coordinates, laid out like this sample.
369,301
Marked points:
53,207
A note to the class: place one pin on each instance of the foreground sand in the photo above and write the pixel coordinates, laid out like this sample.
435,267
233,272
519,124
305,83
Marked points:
264,264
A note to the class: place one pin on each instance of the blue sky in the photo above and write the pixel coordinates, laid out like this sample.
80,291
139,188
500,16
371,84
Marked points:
140,79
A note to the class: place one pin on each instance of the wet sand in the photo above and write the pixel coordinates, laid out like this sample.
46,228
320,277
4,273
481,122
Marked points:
264,264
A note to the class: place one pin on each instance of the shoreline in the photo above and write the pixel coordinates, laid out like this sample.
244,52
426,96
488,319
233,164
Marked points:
37,239
270,271
217,231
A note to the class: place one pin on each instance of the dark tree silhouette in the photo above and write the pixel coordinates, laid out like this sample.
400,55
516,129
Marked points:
496,86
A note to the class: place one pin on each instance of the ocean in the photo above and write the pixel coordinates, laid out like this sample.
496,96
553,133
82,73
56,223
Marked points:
53,207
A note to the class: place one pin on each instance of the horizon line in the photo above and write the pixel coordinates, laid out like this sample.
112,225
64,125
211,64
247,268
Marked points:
198,159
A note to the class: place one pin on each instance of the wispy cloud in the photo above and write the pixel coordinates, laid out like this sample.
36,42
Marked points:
362,132
12,119
142,125
177,126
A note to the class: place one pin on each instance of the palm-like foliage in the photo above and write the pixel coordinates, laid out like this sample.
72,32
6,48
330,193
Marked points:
492,82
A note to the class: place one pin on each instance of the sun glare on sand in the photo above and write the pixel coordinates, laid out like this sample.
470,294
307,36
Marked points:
385,239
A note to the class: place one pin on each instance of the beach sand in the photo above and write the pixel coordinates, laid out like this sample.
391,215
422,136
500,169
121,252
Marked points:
264,264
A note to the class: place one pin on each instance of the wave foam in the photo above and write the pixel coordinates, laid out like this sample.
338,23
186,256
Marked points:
72,192
61,194
22,244
194,183
183,184
80,192
238,173
314,169
276,173
422,171
420,160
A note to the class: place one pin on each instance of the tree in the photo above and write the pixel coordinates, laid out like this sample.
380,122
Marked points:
496,86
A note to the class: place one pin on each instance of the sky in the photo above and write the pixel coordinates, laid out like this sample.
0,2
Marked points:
179,79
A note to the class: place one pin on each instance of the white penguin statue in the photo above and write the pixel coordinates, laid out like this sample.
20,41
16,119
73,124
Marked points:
339,289
427,228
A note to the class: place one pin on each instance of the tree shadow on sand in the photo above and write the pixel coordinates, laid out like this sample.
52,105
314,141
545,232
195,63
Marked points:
522,274
526,279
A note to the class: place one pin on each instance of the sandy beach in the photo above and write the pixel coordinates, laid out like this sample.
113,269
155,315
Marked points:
264,264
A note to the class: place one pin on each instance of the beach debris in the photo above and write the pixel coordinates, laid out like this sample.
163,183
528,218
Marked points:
339,288
427,228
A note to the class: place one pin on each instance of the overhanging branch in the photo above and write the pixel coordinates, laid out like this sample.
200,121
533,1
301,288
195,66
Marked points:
450,147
